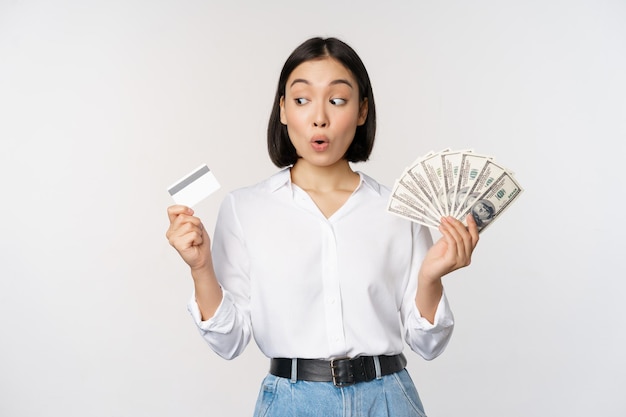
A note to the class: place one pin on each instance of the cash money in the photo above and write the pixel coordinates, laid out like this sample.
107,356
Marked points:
453,183
451,162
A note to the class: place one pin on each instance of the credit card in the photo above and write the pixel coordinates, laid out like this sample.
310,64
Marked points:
194,187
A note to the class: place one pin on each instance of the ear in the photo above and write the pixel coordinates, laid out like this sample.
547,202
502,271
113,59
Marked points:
363,112
283,119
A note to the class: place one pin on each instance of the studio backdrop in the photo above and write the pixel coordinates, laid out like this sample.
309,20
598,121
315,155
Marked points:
104,104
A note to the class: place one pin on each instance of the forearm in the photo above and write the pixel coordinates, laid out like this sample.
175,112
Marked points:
208,291
428,295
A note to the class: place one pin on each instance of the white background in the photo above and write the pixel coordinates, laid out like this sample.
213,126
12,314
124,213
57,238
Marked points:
104,104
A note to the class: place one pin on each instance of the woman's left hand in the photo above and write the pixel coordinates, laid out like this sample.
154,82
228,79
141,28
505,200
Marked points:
452,251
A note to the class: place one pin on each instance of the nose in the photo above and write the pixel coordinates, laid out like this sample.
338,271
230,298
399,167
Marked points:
320,119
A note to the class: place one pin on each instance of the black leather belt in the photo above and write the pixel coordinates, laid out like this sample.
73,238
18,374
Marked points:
342,372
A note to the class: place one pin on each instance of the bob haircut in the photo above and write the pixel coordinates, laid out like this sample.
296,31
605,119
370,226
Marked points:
281,151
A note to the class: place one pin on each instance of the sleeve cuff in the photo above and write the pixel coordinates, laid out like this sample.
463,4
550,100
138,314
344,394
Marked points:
443,318
222,321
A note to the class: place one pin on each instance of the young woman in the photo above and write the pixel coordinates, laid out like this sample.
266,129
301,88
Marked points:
310,262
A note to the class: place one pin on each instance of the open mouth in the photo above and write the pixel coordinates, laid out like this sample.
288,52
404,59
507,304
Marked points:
319,139
319,144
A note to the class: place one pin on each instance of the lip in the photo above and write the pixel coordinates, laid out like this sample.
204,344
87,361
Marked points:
319,139
319,143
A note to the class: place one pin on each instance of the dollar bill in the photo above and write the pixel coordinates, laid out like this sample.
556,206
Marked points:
431,168
451,162
469,168
488,174
453,183
410,196
490,205
415,179
422,178
398,208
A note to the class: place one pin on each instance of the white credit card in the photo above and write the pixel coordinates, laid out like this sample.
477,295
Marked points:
194,187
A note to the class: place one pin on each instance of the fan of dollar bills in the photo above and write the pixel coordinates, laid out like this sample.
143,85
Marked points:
453,183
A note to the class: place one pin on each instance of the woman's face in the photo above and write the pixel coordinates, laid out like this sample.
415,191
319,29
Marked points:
321,109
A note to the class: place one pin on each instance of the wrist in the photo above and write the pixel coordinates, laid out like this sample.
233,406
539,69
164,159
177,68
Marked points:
427,281
202,272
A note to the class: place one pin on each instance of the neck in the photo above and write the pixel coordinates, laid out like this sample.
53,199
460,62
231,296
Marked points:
324,178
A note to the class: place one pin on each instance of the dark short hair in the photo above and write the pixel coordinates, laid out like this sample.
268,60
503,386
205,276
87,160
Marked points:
281,151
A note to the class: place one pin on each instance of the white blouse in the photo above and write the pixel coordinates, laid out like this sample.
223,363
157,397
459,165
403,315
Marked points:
310,287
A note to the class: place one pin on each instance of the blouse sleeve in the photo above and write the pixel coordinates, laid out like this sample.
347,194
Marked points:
228,332
427,339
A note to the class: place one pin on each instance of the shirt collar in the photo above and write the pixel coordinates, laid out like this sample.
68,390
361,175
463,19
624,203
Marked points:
280,179
283,178
370,182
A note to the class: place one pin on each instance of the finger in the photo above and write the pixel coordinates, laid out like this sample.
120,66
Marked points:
183,224
464,239
469,235
184,241
197,238
182,218
453,236
451,253
187,234
473,229
174,211
186,224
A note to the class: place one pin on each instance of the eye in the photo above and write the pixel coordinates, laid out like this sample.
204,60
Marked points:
300,101
337,101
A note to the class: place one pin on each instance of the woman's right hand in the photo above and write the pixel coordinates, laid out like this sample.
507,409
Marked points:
188,236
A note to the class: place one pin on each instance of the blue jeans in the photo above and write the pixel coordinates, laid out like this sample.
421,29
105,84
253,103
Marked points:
390,396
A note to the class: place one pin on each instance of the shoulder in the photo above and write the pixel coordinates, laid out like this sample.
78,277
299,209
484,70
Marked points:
259,205
259,195
379,195
396,231
376,190
265,187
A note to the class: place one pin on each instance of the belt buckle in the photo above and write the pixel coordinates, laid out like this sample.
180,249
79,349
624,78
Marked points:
336,366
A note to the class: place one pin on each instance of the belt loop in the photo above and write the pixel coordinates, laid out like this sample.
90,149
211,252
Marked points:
294,370
377,367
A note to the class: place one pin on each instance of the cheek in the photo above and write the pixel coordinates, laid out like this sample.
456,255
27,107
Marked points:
293,116
297,133
347,123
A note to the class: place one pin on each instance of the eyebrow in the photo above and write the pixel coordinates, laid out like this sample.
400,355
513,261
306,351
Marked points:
334,82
